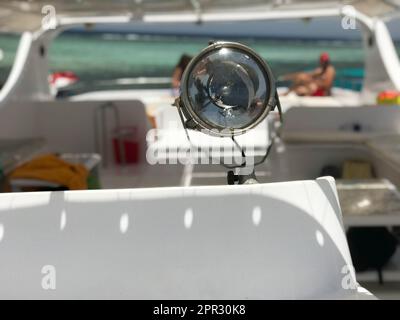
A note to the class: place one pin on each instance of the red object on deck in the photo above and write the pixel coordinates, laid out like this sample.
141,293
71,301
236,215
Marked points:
389,94
66,75
125,145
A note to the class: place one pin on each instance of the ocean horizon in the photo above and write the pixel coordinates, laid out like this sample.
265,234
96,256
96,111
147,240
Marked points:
100,58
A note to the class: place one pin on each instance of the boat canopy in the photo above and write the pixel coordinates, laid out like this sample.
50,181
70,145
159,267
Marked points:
27,15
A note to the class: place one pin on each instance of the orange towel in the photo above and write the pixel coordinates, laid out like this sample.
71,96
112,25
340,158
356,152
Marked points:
53,169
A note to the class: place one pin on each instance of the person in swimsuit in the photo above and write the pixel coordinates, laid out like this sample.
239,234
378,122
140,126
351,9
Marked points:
317,83
179,69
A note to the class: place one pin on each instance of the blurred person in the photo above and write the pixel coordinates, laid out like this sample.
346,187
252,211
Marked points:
316,83
179,69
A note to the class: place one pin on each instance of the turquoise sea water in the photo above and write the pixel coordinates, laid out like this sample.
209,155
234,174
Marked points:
98,58
8,46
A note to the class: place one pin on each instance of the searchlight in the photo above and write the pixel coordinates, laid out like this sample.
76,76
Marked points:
226,90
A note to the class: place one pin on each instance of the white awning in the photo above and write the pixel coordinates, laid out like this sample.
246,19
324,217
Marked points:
25,15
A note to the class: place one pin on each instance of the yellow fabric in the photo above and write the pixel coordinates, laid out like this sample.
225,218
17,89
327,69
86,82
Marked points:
357,170
53,169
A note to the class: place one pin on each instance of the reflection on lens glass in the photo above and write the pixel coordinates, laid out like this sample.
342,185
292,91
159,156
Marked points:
228,88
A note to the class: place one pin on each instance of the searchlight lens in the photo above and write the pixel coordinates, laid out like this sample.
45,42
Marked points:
227,89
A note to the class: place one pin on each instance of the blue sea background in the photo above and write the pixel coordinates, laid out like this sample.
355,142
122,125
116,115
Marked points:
101,56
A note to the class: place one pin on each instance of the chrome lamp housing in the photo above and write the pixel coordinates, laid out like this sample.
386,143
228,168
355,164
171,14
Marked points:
226,90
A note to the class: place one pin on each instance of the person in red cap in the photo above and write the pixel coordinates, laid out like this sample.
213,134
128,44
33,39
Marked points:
316,83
